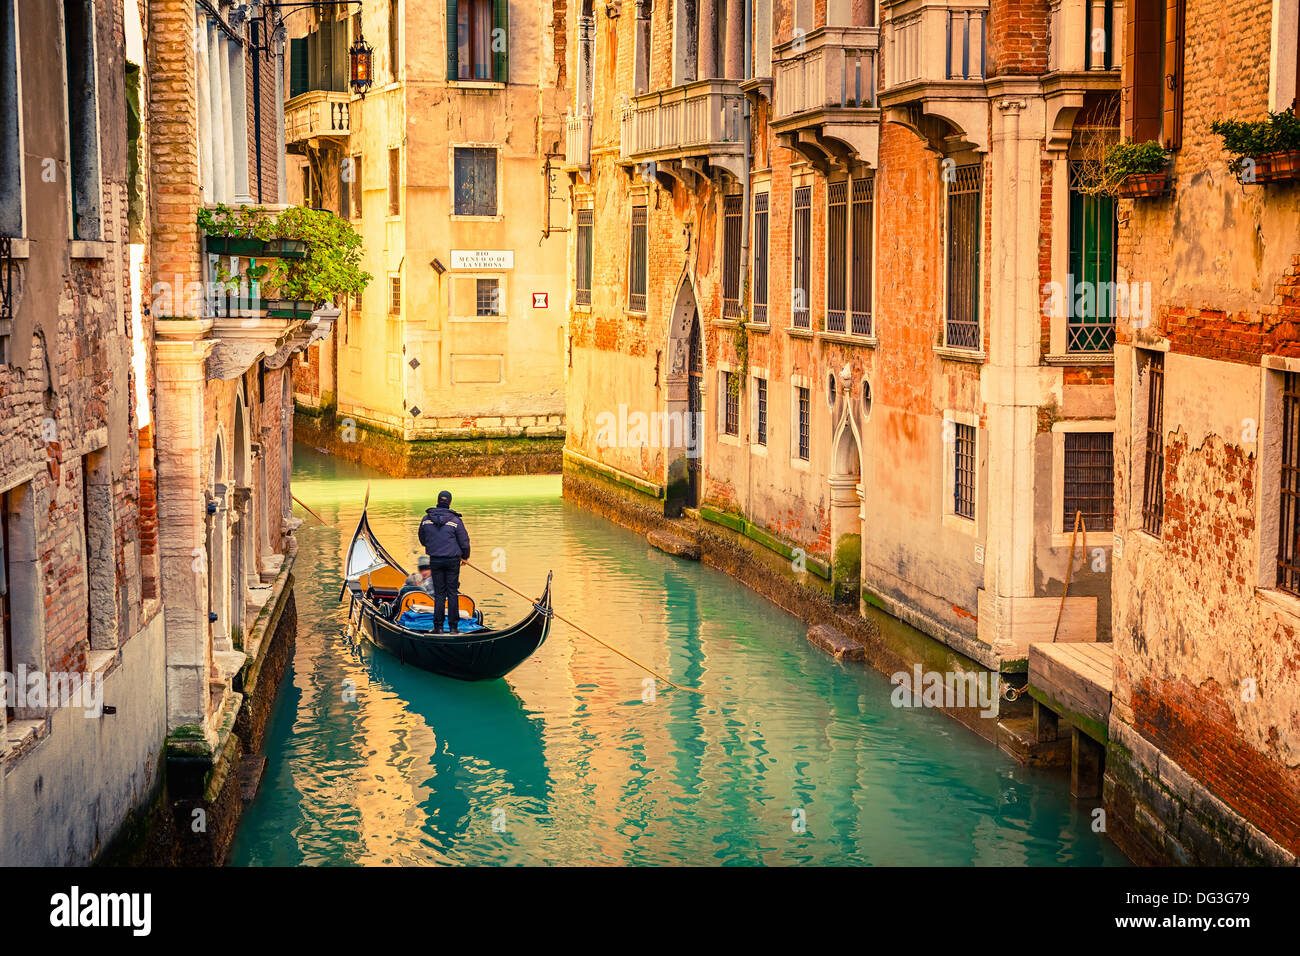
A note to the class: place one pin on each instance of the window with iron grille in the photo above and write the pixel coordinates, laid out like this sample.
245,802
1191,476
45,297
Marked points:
488,297
1153,472
759,280
860,289
760,402
476,181
804,398
1091,289
582,294
963,471
394,295
1089,480
636,282
1288,550
963,325
394,182
731,417
800,317
731,257
837,221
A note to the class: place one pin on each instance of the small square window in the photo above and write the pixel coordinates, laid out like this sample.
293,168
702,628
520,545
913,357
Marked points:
1089,480
963,486
488,297
394,295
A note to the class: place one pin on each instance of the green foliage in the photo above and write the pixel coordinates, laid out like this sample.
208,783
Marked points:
331,268
1279,133
1129,158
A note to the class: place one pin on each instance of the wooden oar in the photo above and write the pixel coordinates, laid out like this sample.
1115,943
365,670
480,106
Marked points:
312,513
580,630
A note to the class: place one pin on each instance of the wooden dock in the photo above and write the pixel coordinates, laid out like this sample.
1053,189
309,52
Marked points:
1073,682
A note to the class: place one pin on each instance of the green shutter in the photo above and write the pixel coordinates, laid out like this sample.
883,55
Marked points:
453,41
297,66
500,58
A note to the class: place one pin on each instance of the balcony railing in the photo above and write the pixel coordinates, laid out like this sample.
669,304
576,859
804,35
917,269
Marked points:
1086,35
315,114
698,119
935,43
831,67
577,142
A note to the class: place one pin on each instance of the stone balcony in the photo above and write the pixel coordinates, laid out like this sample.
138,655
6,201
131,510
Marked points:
824,95
577,142
686,131
1084,59
935,64
316,115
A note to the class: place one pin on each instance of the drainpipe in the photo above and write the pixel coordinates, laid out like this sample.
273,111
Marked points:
744,222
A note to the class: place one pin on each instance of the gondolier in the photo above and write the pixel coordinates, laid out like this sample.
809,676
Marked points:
445,540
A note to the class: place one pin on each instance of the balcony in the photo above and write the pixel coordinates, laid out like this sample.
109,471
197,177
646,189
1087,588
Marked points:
315,115
1084,59
934,70
824,97
686,130
577,143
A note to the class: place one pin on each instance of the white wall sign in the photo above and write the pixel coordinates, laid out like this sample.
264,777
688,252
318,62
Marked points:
482,258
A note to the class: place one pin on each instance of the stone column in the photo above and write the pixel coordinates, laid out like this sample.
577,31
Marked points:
227,121
708,39
735,40
182,517
216,109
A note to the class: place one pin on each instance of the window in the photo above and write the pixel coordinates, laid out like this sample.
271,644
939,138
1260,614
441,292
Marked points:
1153,471
731,409
488,297
1089,480
582,274
344,186
356,301
477,44
11,166
731,257
394,295
1288,548
1153,51
864,191
355,184
759,281
22,607
395,182
83,117
1093,227
319,60
802,278
760,411
394,36
1284,75
636,282
476,181
963,324
803,396
837,236
963,473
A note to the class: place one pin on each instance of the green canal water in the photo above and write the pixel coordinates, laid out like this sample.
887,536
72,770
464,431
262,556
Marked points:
791,758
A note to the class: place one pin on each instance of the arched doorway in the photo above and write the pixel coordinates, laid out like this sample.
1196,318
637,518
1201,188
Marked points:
845,482
684,402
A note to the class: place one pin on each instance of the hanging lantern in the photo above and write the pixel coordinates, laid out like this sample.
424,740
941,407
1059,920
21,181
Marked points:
361,58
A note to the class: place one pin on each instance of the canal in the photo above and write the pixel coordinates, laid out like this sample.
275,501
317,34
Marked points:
789,758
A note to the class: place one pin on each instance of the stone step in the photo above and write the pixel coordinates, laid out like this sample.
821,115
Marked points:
836,643
674,544
1016,737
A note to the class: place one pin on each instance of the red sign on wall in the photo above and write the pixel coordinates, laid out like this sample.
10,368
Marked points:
541,299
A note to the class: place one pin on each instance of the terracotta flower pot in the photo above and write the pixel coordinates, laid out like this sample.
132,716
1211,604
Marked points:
1277,167
1144,185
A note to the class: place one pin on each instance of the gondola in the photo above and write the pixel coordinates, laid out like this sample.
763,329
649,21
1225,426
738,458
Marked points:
374,579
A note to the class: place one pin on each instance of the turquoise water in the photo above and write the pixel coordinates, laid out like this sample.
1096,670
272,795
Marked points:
790,758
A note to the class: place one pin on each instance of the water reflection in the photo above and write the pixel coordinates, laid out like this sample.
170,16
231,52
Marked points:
789,757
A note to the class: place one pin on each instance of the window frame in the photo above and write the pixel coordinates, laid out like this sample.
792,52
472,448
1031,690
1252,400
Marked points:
394,182
976,260
74,169
632,304
478,148
801,250
583,264
970,526
759,270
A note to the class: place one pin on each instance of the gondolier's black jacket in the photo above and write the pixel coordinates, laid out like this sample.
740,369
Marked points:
443,534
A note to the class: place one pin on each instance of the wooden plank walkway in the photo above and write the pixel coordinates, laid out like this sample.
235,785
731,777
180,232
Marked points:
1075,681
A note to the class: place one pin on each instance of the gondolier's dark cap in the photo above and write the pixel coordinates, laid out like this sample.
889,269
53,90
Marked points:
422,561
444,499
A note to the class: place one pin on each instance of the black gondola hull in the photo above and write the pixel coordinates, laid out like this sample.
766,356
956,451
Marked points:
479,655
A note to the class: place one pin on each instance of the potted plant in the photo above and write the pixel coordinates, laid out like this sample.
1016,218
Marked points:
1264,151
1137,170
